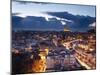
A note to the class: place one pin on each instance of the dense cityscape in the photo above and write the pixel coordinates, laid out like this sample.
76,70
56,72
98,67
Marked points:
52,51
52,37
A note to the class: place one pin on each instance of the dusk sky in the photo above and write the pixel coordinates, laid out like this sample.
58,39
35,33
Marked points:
24,8
38,9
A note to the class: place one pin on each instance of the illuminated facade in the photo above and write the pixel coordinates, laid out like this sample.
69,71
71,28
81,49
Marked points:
66,29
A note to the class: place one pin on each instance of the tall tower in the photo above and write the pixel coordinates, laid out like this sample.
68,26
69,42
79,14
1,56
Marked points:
65,28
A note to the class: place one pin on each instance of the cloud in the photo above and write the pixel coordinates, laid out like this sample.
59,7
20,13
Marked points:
53,21
45,15
36,23
80,22
92,25
63,23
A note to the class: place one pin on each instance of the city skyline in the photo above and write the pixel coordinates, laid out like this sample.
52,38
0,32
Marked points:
52,37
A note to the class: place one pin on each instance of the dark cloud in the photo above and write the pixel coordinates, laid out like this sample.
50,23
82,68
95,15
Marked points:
16,22
80,22
36,23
